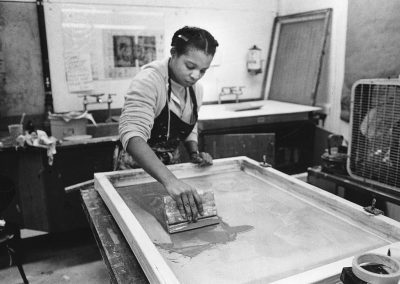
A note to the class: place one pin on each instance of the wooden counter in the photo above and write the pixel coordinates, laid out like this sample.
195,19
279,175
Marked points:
122,264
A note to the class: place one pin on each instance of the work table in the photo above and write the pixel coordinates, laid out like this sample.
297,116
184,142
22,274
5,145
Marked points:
123,267
9,146
89,141
272,228
251,108
251,113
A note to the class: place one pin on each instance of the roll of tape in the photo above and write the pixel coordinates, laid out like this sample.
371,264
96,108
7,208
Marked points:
392,265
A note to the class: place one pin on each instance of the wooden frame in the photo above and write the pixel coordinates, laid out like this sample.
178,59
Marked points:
295,57
383,231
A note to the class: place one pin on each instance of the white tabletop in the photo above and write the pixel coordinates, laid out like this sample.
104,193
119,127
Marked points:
255,108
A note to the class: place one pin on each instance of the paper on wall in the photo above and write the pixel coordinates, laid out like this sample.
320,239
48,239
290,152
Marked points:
78,72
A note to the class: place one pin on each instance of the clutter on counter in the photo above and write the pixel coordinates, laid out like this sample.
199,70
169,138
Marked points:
39,138
15,130
69,124
68,116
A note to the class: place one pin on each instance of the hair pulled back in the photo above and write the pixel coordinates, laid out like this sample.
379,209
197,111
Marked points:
193,38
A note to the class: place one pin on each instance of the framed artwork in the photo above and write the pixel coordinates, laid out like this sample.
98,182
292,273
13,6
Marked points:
145,49
126,51
124,54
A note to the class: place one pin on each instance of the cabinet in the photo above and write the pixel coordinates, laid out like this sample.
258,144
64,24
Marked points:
252,145
353,190
284,132
41,197
288,146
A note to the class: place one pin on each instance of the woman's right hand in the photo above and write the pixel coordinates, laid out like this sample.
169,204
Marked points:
187,198
189,202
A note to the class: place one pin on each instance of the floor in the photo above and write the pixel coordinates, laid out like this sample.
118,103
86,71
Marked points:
71,257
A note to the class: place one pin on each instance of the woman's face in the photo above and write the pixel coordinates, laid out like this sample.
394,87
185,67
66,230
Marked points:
189,67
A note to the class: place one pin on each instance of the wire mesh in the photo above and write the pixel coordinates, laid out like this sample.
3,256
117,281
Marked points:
374,154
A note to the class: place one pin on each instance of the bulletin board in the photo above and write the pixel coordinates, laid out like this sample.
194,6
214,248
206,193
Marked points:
245,24
98,49
295,57
21,73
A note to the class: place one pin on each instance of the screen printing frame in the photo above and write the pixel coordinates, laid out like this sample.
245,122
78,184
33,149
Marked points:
154,264
309,31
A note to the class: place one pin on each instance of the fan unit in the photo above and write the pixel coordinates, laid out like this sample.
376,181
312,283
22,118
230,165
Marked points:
374,149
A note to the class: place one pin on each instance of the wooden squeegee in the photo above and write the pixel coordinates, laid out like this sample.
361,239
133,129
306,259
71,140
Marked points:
175,222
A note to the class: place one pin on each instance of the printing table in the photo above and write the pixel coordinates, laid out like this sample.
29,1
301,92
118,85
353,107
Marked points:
122,264
289,212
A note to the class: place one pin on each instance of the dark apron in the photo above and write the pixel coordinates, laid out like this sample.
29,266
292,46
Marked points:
167,132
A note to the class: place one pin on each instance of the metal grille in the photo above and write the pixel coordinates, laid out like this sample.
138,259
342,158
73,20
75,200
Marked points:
374,150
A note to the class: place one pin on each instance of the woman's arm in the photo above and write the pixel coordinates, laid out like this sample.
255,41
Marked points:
201,158
188,200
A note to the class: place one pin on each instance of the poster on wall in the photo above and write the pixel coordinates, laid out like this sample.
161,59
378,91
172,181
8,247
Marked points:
126,51
78,72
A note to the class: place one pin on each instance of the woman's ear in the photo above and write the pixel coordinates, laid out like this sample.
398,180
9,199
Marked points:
173,51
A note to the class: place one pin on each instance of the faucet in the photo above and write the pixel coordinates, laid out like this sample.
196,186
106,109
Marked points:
109,102
86,102
235,91
98,100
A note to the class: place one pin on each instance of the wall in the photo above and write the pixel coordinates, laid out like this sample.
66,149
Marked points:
236,25
332,75
376,57
364,44
372,49
21,83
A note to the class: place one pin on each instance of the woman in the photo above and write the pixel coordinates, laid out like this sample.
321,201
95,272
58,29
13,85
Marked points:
161,110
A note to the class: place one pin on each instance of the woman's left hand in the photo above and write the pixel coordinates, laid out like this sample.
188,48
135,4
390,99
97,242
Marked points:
202,158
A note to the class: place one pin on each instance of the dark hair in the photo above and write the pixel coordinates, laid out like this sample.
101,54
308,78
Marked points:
193,37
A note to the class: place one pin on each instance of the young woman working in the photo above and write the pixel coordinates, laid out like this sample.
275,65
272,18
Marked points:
161,110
